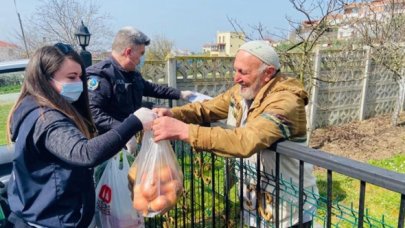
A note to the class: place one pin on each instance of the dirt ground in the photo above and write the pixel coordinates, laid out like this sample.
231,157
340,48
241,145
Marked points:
374,138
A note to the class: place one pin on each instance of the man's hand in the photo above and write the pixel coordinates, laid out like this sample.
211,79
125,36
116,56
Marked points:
162,112
186,94
170,128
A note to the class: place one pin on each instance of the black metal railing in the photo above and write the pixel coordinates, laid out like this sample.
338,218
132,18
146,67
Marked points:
365,173
212,198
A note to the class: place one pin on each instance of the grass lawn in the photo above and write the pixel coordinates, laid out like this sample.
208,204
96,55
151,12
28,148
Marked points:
381,204
4,110
10,89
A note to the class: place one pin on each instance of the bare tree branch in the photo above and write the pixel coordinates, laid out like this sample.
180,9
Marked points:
57,21
159,48
238,28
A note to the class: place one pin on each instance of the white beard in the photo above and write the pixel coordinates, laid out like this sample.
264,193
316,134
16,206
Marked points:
248,93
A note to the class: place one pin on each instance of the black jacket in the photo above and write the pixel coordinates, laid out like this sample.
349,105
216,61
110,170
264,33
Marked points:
114,93
52,179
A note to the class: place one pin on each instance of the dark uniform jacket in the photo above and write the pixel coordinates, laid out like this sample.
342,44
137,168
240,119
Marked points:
52,179
114,92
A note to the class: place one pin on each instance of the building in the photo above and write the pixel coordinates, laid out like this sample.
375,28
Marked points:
8,51
353,18
227,44
355,14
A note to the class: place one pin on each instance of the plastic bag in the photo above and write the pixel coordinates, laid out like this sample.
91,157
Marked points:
158,177
113,199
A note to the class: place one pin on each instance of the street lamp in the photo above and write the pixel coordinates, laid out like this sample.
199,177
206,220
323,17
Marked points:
83,36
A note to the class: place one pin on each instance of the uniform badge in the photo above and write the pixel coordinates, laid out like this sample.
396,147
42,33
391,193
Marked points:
92,83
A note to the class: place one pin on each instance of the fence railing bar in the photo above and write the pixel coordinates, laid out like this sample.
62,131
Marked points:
161,221
329,199
241,190
202,189
374,175
213,188
183,168
218,189
301,195
361,203
258,190
192,189
401,217
277,190
176,208
170,103
226,193
176,216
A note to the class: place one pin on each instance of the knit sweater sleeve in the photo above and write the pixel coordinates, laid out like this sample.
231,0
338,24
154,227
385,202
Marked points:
56,134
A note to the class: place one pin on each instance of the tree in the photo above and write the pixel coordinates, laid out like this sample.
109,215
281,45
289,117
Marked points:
311,31
307,33
253,32
159,48
57,21
381,27
156,53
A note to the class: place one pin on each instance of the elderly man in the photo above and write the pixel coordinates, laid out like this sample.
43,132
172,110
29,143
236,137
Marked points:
115,86
264,106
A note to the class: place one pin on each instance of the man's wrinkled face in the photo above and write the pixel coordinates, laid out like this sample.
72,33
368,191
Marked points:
249,74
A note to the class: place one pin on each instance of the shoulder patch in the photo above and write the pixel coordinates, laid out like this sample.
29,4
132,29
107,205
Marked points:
93,83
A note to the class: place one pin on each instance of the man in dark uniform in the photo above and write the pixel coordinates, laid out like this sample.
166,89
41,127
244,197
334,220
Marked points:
115,86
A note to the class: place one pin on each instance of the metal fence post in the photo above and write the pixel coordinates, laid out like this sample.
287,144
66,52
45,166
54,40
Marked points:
363,102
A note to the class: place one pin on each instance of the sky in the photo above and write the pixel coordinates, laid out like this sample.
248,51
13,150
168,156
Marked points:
188,23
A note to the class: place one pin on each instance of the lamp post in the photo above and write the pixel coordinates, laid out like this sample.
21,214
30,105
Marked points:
83,36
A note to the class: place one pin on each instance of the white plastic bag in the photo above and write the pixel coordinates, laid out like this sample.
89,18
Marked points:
158,177
113,199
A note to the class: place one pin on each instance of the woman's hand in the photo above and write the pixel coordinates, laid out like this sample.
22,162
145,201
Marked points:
146,116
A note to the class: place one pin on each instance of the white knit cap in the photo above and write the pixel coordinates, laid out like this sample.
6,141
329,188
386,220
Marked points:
262,50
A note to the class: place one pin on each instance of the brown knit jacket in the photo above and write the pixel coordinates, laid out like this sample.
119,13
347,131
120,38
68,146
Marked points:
278,111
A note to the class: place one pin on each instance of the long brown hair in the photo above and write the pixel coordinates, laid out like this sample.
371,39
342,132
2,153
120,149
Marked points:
40,70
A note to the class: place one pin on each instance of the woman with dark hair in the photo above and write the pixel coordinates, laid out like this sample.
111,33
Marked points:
56,146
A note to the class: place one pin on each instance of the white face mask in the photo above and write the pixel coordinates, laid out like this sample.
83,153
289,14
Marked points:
141,63
71,91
